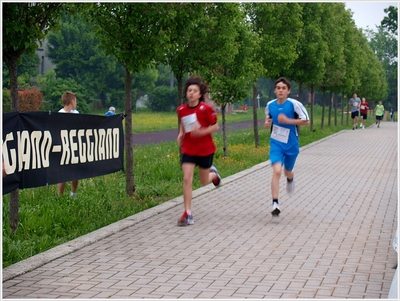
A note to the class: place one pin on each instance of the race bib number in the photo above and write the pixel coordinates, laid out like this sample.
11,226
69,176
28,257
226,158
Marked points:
355,104
190,123
363,107
280,134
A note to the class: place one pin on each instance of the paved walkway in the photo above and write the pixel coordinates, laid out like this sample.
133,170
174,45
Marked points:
333,238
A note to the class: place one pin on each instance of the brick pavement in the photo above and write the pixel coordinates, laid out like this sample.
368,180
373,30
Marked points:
333,238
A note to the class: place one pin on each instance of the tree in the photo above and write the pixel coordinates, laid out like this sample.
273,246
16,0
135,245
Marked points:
390,21
352,55
309,68
27,70
333,34
76,53
24,25
278,27
183,49
231,79
53,87
384,43
134,33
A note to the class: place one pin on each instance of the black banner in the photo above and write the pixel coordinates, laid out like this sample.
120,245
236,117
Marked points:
43,148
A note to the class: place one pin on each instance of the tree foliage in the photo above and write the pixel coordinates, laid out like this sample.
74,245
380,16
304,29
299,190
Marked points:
135,34
75,51
24,26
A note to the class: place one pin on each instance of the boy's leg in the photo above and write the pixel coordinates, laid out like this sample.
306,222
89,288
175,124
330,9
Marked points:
206,176
188,171
289,162
207,172
276,175
61,188
74,187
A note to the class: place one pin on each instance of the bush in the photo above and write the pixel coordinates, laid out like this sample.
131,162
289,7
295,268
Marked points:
163,99
6,101
29,100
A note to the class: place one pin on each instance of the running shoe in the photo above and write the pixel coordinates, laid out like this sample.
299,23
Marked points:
217,180
190,220
290,186
183,221
275,209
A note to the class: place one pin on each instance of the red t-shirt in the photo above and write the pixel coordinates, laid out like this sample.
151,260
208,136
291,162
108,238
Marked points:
203,115
364,107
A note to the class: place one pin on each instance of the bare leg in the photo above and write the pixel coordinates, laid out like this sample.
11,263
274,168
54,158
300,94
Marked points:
61,188
206,176
74,186
277,171
188,170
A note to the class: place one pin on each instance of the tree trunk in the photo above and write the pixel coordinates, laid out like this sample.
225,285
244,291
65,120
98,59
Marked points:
323,109
11,62
348,109
330,109
312,111
103,99
335,99
130,186
300,87
180,98
225,147
342,105
255,118
180,88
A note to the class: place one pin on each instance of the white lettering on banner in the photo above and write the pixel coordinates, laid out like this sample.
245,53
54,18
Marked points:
10,164
81,146
100,145
24,154
77,146
39,150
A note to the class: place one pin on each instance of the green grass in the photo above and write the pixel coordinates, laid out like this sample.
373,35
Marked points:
46,220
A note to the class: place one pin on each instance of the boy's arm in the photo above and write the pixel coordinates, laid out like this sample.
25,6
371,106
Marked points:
268,118
282,118
181,134
301,112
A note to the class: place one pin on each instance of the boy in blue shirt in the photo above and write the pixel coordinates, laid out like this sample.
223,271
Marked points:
283,114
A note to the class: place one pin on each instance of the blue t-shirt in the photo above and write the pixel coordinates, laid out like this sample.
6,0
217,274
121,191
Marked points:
294,109
109,113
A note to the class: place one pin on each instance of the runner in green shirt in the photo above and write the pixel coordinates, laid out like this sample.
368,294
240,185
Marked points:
379,110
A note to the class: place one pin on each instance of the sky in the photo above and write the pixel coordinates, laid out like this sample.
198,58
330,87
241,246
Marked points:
369,13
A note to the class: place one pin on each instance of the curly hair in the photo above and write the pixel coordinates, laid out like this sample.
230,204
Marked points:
196,80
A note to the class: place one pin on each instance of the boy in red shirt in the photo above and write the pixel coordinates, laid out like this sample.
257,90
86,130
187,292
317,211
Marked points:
198,121
363,112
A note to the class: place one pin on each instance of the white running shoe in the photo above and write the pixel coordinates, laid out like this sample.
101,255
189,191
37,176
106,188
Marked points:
275,209
290,186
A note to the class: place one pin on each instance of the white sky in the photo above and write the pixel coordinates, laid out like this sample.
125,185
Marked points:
369,13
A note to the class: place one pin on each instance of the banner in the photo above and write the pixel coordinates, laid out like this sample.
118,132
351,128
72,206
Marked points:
43,148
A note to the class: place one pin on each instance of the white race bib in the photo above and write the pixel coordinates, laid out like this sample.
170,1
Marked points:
190,123
280,133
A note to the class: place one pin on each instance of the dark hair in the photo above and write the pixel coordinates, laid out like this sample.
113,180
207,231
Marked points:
196,80
282,80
